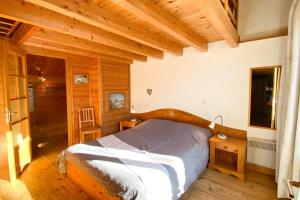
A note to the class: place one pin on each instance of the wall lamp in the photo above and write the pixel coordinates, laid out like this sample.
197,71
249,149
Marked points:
213,124
132,111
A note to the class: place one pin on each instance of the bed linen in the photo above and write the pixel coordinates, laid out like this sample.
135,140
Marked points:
158,159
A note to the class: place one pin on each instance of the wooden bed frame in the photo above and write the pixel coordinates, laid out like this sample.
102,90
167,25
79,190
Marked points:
98,191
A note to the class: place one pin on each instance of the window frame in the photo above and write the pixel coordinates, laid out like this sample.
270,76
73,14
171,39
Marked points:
275,95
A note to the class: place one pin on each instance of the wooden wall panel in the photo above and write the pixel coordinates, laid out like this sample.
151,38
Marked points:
104,76
115,77
83,95
96,92
49,117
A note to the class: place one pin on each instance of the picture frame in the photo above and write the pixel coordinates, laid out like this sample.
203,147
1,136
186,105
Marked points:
116,101
81,79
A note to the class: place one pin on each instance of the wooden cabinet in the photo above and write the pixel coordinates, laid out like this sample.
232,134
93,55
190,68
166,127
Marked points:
228,156
128,124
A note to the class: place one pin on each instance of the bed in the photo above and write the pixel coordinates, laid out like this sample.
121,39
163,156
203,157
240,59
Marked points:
158,159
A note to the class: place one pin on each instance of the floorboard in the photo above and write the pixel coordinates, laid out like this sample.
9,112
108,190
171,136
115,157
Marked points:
41,181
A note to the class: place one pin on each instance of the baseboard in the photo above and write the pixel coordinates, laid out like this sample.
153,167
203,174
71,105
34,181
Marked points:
260,169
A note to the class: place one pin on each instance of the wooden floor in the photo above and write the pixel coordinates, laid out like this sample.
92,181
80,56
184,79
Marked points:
42,181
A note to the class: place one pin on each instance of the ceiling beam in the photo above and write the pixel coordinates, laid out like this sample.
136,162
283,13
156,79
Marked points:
70,50
31,14
67,40
218,17
162,19
23,32
44,52
92,14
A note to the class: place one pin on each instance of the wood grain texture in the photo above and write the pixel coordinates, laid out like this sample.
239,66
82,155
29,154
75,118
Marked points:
44,52
87,125
72,50
218,17
67,40
17,128
31,14
159,17
234,146
115,78
128,124
185,117
96,92
49,117
189,12
33,185
260,169
7,27
4,173
104,76
90,13
52,67
42,181
141,27
82,95
88,184
22,33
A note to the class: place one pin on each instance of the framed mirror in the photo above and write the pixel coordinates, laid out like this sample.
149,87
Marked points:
264,85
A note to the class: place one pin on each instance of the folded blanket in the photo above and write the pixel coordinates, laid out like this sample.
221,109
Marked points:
140,163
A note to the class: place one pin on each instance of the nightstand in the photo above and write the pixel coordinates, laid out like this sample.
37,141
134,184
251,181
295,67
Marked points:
228,156
128,124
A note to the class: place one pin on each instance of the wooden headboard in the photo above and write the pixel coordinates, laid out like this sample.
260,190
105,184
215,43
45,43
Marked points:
185,117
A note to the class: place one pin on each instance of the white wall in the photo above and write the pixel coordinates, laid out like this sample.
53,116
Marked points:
263,18
207,84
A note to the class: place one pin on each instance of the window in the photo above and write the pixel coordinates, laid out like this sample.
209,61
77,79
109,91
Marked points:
264,83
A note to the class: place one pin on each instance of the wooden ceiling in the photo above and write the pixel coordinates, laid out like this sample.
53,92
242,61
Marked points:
7,26
122,30
53,67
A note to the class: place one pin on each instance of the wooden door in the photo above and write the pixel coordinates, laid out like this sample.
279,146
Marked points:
15,101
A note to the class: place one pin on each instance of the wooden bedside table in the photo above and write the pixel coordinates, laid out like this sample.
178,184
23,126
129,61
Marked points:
228,156
128,124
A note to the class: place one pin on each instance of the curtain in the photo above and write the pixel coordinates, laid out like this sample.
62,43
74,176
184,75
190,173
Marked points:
288,109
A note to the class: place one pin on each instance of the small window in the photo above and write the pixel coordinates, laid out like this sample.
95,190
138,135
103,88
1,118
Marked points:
264,83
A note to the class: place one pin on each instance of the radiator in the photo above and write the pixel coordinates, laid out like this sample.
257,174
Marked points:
261,152
268,145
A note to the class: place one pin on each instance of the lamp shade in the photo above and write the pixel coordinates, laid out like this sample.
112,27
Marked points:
132,111
212,125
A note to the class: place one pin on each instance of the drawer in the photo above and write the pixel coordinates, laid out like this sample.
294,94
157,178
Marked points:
227,147
128,123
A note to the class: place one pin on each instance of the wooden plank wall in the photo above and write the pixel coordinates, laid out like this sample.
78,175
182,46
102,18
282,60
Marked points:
115,77
83,95
49,116
96,92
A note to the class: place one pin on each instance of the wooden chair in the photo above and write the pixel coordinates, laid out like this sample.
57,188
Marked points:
87,123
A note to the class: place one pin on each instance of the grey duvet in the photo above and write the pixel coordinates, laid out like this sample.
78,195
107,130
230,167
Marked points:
158,159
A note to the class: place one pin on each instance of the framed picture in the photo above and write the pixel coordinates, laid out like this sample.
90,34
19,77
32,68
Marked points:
116,101
81,79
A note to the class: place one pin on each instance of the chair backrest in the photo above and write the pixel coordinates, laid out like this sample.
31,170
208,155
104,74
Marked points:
86,117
